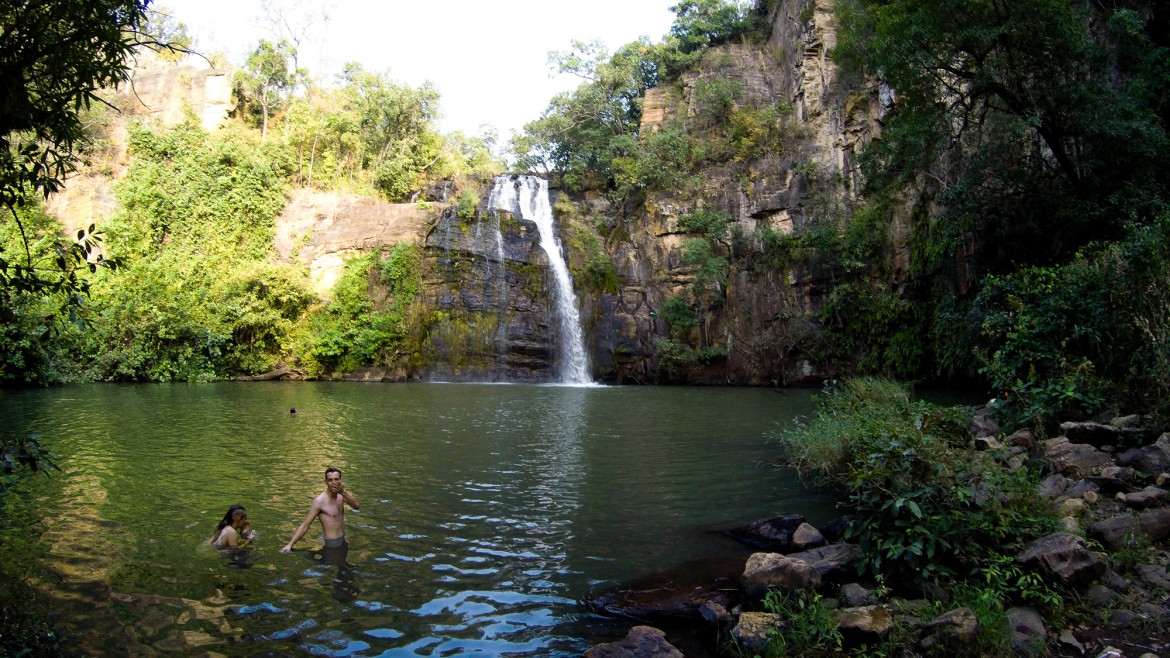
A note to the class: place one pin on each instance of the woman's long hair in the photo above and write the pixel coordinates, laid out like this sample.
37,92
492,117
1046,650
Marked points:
226,521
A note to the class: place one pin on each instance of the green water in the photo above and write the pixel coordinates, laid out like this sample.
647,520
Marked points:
487,511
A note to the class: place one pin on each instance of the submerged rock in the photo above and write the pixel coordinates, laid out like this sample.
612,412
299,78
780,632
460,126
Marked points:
774,534
641,642
677,594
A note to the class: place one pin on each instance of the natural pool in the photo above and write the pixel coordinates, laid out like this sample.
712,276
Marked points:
487,511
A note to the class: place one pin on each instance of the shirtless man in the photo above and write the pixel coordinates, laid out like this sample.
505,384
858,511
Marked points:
329,506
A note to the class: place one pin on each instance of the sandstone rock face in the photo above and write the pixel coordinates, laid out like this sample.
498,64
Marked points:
160,91
762,314
493,311
320,229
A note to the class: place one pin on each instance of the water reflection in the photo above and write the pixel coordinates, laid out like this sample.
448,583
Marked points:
487,511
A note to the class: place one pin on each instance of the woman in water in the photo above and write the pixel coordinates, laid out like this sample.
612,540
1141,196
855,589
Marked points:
234,530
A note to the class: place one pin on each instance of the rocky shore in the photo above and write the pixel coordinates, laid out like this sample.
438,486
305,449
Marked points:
1109,556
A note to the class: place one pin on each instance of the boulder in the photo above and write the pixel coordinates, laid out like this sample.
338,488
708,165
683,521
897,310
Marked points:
806,537
1100,595
1130,421
1095,434
1119,473
774,534
1154,575
1053,486
766,571
641,642
835,562
754,629
1073,507
853,595
1114,533
1148,459
834,530
955,631
1064,557
715,613
983,423
1146,498
1022,438
1075,460
1027,630
987,444
864,625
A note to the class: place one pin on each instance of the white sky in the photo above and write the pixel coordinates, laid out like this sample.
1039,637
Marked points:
488,58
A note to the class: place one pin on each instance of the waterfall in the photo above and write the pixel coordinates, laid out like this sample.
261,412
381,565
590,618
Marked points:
527,198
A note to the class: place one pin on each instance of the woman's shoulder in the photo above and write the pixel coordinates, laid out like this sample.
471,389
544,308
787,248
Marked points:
223,535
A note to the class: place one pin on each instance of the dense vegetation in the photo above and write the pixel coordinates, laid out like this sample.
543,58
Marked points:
199,294
1043,128
1026,142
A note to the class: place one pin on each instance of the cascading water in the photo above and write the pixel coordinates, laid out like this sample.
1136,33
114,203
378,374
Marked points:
527,198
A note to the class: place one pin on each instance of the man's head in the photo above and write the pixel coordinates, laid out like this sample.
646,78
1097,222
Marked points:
332,474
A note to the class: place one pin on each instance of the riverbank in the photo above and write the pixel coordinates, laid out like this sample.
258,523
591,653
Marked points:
1051,546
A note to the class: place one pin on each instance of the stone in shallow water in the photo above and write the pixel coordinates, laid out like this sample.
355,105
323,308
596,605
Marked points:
773,534
674,594
641,642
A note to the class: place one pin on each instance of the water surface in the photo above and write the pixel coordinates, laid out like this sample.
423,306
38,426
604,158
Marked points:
487,511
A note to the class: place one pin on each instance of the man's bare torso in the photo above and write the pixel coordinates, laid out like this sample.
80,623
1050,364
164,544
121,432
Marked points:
332,515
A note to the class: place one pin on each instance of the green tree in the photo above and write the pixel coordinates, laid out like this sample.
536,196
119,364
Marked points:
702,23
54,57
266,79
1032,124
173,40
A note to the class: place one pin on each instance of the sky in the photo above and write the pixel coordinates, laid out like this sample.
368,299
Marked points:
488,58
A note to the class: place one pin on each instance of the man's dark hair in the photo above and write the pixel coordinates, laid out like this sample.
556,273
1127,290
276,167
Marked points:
332,469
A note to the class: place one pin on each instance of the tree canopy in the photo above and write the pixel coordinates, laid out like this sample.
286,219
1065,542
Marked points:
54,57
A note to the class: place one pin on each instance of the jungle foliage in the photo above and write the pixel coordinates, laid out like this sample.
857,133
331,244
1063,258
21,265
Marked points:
200,294
1044,142
924,507
591,136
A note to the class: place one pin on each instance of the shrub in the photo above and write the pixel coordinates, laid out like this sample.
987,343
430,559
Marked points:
925,505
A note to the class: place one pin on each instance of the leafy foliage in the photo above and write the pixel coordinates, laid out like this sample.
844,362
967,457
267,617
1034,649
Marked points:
591,136
265,79
23,454
199,299
369,319
1072,340
54,58
810,626
925,505
1035,130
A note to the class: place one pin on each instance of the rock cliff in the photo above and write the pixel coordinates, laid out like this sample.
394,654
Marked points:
485,310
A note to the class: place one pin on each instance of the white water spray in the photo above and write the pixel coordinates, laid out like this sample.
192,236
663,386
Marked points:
527,198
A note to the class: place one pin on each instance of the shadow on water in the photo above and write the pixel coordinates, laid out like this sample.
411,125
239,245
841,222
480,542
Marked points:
487,512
